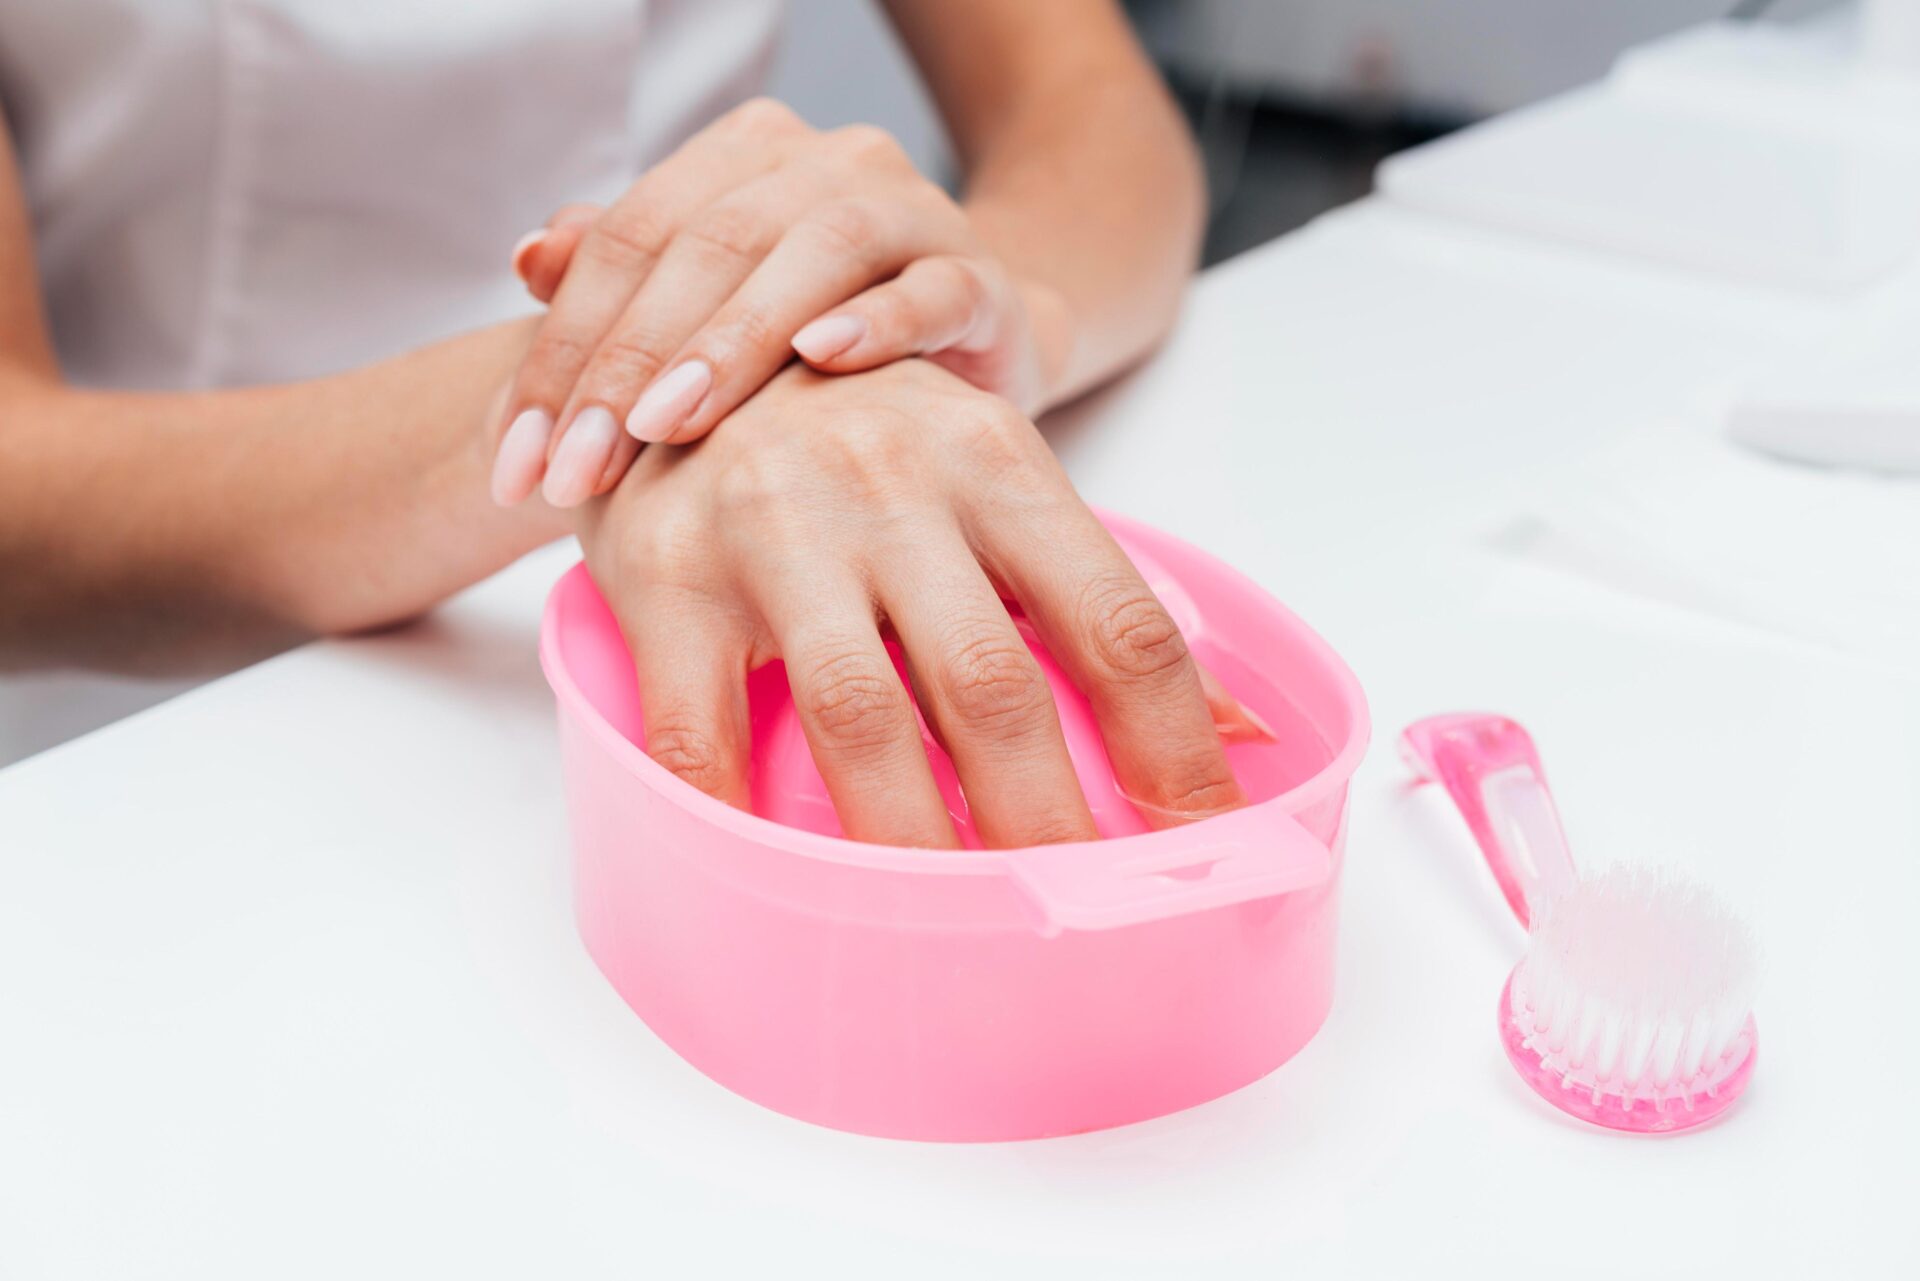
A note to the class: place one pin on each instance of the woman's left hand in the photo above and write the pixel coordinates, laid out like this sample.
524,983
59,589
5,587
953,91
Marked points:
758,239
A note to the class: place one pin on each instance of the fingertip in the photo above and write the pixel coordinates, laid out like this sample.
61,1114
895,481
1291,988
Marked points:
580,458
547,266
625,450
541,258
1233,720
829,337
1222,800
523,252
663,408
521,457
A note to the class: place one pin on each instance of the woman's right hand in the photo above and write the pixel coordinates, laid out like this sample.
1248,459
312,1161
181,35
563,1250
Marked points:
828,508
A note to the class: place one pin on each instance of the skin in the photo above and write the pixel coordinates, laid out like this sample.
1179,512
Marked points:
762,238
676,304
161,531
827,508
187,532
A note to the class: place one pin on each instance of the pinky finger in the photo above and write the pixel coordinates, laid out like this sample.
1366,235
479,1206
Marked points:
937,304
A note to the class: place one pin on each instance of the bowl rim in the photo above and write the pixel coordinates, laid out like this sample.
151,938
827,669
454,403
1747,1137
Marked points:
573,702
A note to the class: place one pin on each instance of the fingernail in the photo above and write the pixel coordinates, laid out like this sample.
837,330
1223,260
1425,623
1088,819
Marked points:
828,336
524,246
582,456
669,401
1238,723
523,450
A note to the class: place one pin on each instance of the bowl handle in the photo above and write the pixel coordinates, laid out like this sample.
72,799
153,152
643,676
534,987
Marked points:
1249,853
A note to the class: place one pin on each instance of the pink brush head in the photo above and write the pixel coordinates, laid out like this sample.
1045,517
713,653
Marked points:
1632,1006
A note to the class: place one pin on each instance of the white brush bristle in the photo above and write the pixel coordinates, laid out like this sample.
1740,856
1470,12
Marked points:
1638,982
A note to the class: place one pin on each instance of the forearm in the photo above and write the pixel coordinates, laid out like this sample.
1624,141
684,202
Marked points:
1080,172
166,530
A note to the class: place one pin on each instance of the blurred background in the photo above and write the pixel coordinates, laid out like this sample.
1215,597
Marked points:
1294,101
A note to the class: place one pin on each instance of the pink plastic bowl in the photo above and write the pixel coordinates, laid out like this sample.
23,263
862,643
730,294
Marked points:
974,994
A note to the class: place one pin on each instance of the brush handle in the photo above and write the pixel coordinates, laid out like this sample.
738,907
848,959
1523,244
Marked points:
1490,768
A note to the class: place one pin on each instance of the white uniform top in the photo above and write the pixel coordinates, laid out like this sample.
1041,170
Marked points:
235,191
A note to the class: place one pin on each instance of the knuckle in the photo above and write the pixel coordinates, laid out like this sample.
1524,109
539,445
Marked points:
847,228
654,561
679,549
558,354
626,239
1060,829
1000,421
755,485
690,753
992,682
662,552
1001,441
626,358
854,699
1128,631
729,231
747,331
641,555
939,211
764,115
893,315
956,278
872,454
869,143
1200,789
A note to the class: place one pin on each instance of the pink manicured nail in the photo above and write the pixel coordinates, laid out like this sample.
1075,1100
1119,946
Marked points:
581,457
522,453
828,336
668,402
524,246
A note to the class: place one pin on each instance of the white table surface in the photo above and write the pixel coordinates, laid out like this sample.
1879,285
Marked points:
289,986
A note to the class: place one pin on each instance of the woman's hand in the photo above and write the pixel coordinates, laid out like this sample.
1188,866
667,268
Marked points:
828,509
760,238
